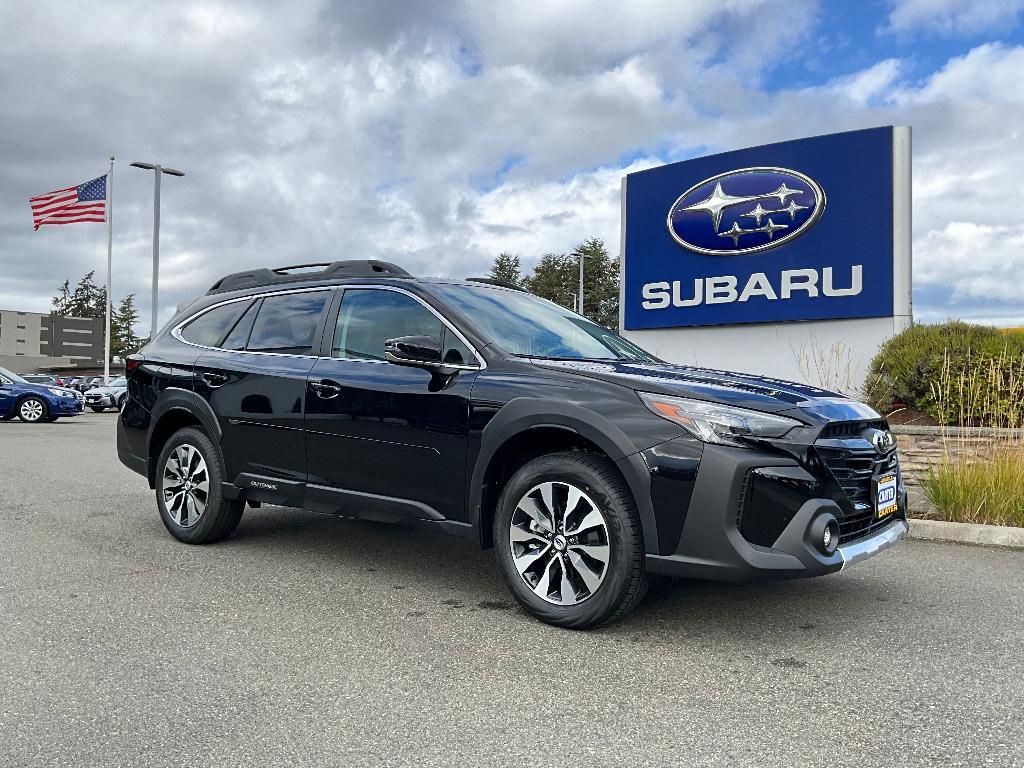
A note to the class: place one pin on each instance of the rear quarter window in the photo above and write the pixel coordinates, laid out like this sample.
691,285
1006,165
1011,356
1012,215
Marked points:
287,323
208,329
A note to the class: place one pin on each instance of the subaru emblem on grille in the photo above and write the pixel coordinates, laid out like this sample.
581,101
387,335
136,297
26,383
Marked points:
883,440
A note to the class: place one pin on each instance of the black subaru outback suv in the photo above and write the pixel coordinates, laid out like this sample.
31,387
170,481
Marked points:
588,464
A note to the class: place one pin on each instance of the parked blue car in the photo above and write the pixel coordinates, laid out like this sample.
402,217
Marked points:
35,402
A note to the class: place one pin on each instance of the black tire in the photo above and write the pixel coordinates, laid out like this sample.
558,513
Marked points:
97,408
29,405
220,516
624,580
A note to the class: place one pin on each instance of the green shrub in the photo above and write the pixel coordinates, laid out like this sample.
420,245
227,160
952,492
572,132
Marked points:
990,492
956,372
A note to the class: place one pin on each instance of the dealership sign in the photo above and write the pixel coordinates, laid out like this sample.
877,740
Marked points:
801,230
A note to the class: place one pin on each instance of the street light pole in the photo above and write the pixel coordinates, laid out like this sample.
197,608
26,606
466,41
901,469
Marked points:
158,171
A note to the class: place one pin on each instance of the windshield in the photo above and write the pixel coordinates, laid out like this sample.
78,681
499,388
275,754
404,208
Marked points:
120,381
12,376
528,326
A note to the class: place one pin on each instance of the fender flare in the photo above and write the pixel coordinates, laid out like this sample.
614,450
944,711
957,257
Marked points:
525,413
175,399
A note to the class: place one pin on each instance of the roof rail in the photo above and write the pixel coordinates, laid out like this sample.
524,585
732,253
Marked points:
338,269
499,283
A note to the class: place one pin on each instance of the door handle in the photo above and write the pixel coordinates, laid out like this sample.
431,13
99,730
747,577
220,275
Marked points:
325,389
215,380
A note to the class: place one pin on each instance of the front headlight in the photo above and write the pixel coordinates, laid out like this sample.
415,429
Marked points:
61,392
714,423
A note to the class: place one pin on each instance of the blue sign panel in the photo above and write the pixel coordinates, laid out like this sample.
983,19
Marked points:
801,230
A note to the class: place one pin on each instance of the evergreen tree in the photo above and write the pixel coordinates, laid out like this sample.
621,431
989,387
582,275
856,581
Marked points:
600,282
62,301
557,278
553,279
123,340
506,269
88,298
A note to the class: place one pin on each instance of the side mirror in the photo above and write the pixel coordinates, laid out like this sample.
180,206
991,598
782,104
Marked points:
414,351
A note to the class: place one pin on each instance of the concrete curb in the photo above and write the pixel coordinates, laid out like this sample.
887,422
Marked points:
967,533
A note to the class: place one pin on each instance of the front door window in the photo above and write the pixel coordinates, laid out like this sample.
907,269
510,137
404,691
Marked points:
369,317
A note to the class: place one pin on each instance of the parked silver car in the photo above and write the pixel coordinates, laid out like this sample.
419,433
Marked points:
110,396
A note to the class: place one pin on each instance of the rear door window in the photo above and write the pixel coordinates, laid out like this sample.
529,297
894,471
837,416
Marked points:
287,323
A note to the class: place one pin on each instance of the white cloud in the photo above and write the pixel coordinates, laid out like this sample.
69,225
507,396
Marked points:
436,135
949,17
976,261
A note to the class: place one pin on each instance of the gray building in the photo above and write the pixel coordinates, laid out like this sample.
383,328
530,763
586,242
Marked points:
33,341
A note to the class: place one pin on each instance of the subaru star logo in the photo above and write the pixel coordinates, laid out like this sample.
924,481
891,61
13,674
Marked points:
745,211
883,440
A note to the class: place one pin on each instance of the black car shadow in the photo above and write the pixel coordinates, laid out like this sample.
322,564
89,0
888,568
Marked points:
405,554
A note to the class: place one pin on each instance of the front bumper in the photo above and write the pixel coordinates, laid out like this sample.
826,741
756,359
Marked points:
715,539
65,406
99,401
862,549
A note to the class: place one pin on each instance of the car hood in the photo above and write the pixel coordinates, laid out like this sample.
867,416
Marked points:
742,390
42,389
105,390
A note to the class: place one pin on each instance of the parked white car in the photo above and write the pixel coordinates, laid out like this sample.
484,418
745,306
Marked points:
110,396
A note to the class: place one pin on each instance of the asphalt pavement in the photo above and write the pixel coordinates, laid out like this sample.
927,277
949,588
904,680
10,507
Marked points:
310,640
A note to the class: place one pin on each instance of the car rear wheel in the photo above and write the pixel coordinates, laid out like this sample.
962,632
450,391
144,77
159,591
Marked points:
188,490
33,409
569,542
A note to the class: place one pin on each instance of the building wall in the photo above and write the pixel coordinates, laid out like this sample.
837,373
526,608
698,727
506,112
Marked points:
832,354
31,341
20,333
80,338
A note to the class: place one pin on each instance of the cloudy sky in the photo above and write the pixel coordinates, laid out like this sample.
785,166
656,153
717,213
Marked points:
438,134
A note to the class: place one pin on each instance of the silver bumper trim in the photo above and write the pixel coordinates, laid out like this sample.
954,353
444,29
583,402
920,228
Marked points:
865,548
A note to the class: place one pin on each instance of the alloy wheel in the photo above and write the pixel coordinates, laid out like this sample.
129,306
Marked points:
185,485
31,410
559,542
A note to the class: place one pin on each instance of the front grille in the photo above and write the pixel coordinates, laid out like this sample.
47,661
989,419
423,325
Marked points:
854,470
842,429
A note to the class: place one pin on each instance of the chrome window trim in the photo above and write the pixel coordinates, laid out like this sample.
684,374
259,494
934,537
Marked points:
176,331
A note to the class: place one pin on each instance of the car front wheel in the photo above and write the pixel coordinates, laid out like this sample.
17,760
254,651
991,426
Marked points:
32,410
569,542
188,490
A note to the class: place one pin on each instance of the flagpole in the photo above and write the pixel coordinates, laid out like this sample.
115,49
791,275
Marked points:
110,244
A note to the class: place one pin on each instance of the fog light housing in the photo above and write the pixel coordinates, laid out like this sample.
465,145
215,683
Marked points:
823,534
830,537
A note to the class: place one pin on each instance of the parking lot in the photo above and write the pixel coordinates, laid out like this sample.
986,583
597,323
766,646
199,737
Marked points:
306,639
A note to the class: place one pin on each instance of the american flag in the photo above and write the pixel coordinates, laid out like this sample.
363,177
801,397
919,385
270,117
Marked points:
86,202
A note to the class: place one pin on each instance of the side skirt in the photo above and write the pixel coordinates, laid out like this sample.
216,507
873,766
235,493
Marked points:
340,502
